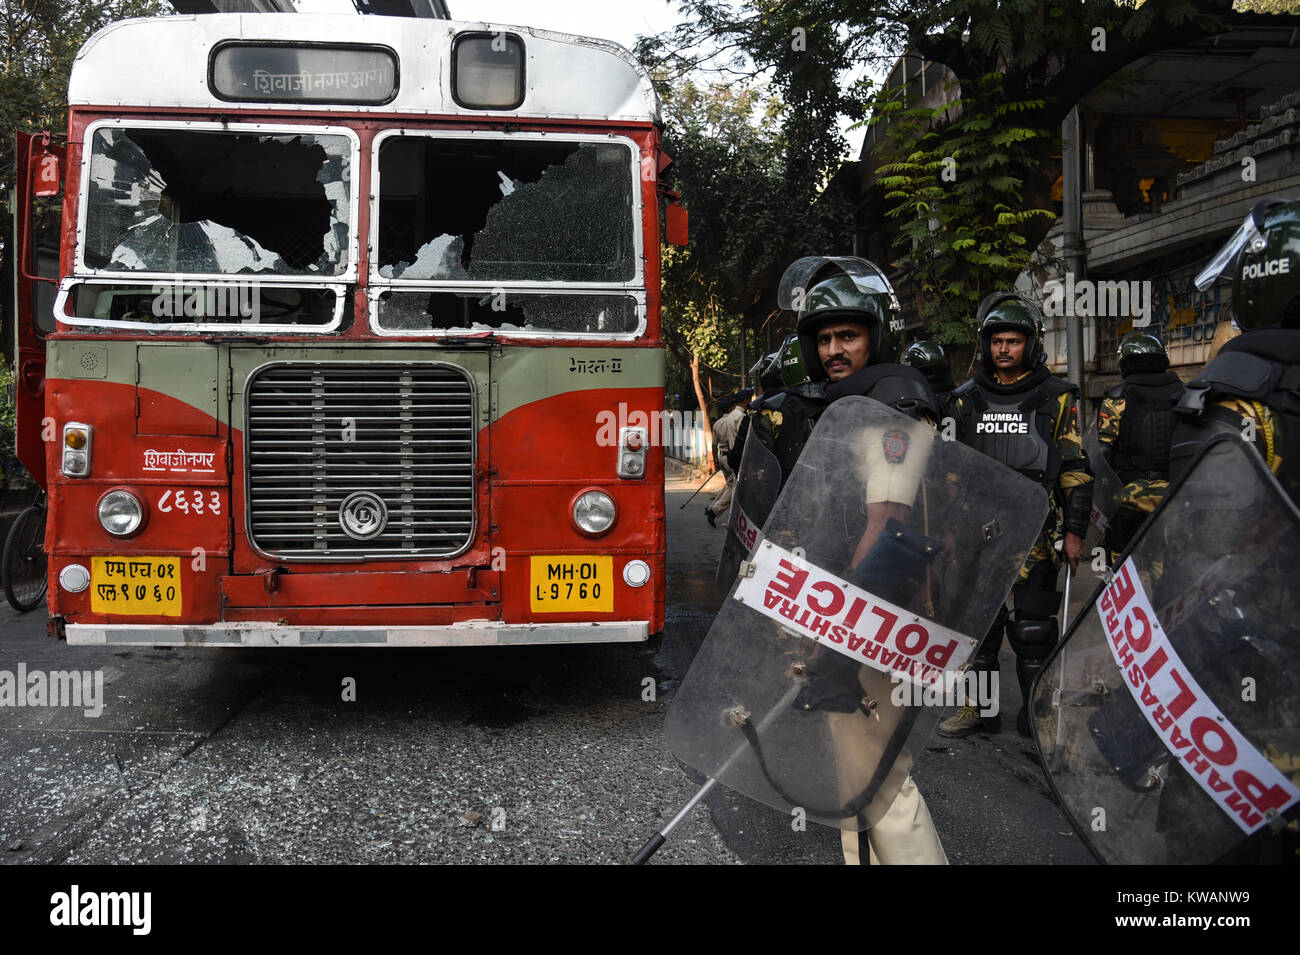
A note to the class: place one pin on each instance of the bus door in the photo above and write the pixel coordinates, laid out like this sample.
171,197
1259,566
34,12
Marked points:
37,218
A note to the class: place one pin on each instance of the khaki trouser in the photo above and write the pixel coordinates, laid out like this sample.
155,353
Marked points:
905,835
901,832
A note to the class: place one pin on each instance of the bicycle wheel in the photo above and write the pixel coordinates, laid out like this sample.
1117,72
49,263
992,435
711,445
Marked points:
22,567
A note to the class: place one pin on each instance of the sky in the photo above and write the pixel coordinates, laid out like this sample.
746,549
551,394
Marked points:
618,20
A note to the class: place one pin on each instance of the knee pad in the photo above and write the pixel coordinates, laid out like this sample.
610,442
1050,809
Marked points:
1036,603
1032,639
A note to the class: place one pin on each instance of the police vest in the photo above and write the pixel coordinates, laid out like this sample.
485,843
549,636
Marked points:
1016,429
1146,429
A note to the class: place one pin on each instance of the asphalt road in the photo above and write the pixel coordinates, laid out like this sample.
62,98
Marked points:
469,755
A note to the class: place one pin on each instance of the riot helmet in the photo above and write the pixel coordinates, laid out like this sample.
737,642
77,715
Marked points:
767,371
1264,258
1008,312
826,290
1141,352
792,369
931,360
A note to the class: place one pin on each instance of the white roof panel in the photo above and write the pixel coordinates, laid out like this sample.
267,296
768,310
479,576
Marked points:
163,62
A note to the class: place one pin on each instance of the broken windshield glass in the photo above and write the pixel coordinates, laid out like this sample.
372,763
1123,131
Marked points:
505,210
192,201
508,312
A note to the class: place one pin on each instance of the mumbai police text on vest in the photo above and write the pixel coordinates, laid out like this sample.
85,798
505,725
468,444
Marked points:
1001,422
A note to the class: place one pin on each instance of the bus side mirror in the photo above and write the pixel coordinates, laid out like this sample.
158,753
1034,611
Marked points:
676,224
47,176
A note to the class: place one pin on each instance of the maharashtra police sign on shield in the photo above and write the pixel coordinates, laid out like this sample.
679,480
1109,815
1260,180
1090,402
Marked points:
807,600
1227,766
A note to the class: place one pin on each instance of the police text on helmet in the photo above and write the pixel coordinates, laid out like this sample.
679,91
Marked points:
1257,270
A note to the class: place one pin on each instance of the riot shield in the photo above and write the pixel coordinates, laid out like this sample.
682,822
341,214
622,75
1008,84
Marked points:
758,482
883,562
1107,488
1168,720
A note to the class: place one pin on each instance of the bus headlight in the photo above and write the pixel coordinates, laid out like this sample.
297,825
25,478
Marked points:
76,449
593,512
121,513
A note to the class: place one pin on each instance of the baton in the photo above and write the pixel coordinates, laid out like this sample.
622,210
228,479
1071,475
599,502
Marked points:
700,488
1065,605
1065,622
659,838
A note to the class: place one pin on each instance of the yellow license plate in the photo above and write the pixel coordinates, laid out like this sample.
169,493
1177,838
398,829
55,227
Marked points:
568,584
136,586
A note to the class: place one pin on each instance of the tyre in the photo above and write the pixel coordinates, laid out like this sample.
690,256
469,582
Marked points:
22,567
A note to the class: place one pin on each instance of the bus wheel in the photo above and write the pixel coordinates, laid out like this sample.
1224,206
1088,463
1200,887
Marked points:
22,567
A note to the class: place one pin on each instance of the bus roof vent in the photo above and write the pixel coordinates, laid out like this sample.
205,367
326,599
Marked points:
423,9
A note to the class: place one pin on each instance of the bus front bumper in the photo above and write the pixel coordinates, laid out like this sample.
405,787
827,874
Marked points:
470,633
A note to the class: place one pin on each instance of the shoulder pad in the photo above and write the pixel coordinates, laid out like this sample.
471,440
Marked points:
965,388
1116,393
905,390
1240,373
1059,386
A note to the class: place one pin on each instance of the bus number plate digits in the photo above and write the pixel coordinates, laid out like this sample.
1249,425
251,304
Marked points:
136,586
571,584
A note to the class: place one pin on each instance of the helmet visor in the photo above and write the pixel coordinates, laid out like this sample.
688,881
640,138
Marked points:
1246,236
792,292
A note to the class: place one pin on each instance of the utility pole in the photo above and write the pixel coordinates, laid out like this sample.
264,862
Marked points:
1075,258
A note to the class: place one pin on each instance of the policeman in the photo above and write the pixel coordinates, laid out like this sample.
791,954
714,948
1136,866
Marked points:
1135,428
1252,388
795,396
1017,412
724,433
848,312
931,359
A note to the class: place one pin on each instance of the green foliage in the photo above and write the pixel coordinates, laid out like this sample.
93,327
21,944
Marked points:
753,208
1021,65
956,188
40,40
12,474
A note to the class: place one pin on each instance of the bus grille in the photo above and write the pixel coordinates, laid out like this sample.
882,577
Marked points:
326,436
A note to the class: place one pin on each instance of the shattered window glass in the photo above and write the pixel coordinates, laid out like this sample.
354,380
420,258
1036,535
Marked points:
186,201
203,303
498,310
505,210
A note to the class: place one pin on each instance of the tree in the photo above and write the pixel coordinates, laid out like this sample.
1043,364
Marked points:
1020,65
40,41
1049,54
754,208
953,174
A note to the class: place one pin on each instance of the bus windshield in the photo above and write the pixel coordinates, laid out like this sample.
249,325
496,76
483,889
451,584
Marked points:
186,201
517,209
